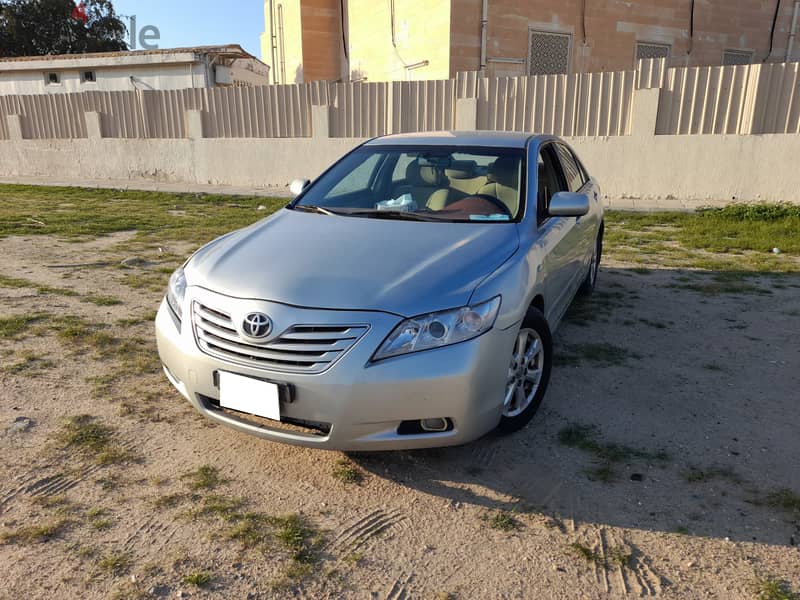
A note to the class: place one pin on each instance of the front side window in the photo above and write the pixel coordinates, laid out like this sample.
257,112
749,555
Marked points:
426,183
551,180
572,172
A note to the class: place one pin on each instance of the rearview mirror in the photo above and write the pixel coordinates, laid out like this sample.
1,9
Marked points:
298,185
568,204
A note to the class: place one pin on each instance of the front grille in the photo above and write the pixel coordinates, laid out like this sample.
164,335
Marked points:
299,349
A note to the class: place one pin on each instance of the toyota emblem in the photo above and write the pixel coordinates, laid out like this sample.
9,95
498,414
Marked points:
256,325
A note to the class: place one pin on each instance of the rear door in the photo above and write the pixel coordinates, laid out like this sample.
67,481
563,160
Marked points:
586,225
557,235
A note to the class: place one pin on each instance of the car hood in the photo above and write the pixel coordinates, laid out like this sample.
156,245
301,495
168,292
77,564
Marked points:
350,263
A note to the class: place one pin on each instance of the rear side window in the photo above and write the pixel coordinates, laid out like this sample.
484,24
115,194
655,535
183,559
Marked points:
572,172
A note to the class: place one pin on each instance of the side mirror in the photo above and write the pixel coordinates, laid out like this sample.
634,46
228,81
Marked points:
568,204
298,185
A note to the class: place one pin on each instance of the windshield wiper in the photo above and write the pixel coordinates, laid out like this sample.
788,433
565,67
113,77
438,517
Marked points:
315,209
402,215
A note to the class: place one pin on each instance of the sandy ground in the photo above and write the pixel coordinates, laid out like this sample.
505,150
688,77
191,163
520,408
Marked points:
710,380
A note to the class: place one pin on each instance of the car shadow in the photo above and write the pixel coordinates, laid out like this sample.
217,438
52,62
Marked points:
672,407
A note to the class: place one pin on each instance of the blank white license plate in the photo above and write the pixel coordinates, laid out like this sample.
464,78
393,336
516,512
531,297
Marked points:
249,395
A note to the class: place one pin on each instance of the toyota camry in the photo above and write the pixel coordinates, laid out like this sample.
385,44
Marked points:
404,299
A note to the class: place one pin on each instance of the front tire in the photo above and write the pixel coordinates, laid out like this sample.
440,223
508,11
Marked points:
528,372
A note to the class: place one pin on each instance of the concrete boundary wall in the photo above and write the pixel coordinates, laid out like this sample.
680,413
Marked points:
641,165
742,99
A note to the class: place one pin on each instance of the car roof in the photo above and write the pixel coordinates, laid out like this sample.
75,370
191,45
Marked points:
491,139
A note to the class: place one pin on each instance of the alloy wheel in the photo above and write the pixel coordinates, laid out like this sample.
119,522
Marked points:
524,372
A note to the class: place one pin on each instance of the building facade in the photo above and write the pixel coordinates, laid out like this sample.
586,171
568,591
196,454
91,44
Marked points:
383,40
163,69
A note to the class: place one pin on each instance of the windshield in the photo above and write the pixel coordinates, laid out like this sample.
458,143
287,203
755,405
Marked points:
427,183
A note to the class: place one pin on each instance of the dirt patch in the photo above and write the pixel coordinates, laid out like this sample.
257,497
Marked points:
662,463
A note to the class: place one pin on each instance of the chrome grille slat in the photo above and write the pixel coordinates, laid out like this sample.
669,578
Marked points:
216,318
256,352
299,349
220,332
337,345
344,334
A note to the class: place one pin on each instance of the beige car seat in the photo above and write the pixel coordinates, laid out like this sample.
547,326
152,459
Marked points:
503,177
463,178
427,185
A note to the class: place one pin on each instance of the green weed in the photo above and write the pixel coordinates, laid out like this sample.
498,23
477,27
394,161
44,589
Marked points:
345,471
205,477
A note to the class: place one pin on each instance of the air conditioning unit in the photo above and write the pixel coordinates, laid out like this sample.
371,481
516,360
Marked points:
223,75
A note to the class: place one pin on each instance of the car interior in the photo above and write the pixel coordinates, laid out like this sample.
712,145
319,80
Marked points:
456,184
443,187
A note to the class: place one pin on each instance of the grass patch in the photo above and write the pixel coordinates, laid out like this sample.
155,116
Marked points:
603,472
116,563
250,529
720,287
19,283
205,477
598,307
92,439
347,472
784,499
102,300
101,524
28,210
620,556
12,328
199,579
503,521
224,507
297,536
605,454
598,353
35,533
169,500
29,363
706,474
771,588
588,554
733,238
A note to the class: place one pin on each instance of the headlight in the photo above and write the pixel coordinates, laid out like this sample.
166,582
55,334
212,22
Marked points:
439,329
176,291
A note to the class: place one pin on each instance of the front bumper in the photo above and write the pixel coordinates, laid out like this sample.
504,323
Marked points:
362,403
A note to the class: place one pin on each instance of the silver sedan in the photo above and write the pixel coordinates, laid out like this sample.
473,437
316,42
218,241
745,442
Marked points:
404,299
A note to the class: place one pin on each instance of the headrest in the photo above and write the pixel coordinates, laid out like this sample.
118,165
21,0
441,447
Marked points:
461,169
505,171
423,175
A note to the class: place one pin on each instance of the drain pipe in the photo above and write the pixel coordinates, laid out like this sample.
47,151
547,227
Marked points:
273,66
792,31
484,26
280,41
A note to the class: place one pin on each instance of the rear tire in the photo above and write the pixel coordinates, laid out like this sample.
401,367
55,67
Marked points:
528,373
590,282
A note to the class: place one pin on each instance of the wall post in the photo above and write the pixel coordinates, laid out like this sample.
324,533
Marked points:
466,114
320,122
94,130
14,127
645,112
194,124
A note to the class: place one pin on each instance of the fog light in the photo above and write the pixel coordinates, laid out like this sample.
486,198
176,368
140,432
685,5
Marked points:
433,424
